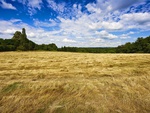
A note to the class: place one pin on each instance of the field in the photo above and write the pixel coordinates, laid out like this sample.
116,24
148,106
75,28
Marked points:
59,82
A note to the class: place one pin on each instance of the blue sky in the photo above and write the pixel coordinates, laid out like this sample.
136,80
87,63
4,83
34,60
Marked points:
80,23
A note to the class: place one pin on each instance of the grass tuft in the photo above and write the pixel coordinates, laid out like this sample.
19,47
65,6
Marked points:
10,88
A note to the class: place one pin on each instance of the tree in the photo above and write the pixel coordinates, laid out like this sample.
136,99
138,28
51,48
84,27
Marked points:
141,45
17,35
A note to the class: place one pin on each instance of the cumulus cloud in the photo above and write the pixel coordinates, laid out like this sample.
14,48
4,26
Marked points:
9,31
6,5
93,9
136,20
112,25
105,34
139,18
126,35
95,26
68,40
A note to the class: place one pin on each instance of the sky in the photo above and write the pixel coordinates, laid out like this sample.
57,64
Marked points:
76,23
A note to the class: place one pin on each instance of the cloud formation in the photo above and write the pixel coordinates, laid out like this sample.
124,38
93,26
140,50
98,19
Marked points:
6,5
32,5
100,23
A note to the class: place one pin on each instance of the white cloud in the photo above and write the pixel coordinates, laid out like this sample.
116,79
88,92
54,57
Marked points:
49,23
127,35
136,20
15,20
56,7
93,9
23,1
139,18
112,25
35,4
6,5
98,40
31,34
124,36
9,31
32,5
105,34
68,40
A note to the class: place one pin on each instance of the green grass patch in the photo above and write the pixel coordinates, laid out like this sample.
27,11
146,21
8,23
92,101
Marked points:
12,87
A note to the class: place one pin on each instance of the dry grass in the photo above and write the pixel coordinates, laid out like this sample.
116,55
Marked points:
58,82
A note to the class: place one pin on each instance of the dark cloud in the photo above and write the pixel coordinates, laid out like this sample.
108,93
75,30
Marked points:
122,4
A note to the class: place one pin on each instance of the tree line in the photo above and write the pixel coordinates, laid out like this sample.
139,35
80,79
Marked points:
20,42
141,45
88,49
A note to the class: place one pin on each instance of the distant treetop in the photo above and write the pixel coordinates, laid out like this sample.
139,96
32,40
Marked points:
18,35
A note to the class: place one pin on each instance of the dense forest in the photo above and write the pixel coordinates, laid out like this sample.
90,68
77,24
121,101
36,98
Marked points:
141,45
20,42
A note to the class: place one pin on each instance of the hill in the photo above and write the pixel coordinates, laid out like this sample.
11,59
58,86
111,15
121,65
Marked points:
20,42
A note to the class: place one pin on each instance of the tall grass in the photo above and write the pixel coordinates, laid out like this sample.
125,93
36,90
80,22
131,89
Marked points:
59,82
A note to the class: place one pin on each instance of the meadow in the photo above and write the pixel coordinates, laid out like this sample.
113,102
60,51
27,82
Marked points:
63,82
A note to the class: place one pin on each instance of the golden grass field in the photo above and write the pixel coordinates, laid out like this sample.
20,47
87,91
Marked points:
59,82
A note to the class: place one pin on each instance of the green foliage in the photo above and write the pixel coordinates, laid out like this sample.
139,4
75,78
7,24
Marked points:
41,110
21,48
20,42
141,45
88,50
11,87
49,47
17,35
